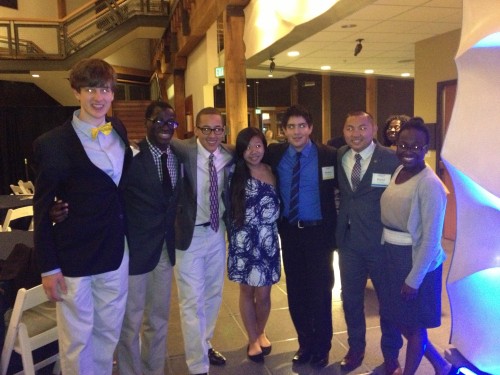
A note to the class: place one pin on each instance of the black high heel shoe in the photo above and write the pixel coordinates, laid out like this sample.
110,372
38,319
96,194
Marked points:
266,350
257,358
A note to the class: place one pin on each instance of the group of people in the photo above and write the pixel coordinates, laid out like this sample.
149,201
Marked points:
122,220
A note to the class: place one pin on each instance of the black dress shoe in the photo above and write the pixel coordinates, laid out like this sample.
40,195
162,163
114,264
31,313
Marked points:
319,360
266,350
216,358
352,360
392,366
302,356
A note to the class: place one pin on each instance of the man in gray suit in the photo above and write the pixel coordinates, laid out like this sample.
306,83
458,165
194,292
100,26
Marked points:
151,192
200,241
365,173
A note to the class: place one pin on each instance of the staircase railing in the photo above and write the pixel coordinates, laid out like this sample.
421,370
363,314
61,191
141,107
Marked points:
57,39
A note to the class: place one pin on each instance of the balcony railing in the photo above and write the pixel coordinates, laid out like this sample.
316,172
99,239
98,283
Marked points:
57,39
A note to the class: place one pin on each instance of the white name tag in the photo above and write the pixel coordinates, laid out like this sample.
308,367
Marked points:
328,173
380,179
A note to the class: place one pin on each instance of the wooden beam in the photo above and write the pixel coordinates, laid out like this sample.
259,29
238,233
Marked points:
235,71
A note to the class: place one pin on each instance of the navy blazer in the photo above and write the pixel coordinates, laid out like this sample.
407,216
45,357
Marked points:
360,210
327,157
91,240
150,213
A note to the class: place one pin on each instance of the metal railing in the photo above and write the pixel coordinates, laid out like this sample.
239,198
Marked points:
39,39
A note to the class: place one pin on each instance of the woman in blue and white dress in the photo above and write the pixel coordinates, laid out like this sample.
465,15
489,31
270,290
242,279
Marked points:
254,257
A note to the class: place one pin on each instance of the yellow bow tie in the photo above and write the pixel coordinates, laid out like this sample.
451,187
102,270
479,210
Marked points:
104,129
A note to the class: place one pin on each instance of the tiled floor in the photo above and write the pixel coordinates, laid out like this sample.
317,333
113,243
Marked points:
230,338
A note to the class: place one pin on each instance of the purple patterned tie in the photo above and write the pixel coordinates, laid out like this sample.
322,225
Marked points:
214,195
356,172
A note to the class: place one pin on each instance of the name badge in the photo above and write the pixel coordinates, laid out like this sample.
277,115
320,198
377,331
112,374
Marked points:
380,179
327,173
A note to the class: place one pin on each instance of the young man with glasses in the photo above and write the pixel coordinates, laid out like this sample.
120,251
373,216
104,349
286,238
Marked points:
306,172
200,237
152,187
365,169
84,260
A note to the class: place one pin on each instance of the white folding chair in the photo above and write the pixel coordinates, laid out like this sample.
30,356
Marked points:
32,325
17,213
17,190
27,186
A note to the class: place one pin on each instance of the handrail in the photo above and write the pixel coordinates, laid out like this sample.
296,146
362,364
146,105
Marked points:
26,38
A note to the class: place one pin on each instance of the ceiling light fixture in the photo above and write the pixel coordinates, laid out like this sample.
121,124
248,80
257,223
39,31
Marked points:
293,53
405,74
369,71
272,65
358,47
326,67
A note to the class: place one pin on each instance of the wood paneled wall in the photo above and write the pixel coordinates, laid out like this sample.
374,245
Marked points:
132,115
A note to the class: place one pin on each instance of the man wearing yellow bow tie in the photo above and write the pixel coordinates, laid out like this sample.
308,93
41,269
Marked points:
84,260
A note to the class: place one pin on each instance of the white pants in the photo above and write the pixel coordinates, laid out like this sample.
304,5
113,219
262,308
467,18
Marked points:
89,321
147,312
199,274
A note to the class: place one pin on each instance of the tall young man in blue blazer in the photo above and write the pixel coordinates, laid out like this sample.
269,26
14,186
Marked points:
84,259
308,239
200,242
359,232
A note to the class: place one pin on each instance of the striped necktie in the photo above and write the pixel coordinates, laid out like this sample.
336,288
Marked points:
214,195
293,212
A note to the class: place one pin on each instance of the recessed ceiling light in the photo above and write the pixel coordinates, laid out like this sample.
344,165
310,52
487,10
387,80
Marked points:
349,26
293,53
326,67
405,74
270,75
35,75
369,71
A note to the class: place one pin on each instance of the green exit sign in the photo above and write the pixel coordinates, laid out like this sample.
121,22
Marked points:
219,72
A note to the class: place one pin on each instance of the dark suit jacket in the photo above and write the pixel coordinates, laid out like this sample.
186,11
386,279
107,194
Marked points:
150,213
326,158
362,207
187,152
91,240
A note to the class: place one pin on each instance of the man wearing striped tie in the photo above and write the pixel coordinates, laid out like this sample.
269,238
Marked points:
306,172
365,169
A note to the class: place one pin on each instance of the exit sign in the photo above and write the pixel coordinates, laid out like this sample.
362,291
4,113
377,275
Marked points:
219,72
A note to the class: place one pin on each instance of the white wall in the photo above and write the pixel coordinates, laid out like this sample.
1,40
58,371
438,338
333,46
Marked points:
200,71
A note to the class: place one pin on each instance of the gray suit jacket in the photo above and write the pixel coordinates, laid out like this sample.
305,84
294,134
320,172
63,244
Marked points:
150,213
186,151
361,209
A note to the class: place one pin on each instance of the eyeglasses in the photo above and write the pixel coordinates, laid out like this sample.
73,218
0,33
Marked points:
157,122
414,148
207,130
95,90
302,125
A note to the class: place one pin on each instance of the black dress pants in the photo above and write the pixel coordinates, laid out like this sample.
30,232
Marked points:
308,264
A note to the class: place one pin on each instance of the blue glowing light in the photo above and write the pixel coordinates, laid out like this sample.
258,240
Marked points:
492,40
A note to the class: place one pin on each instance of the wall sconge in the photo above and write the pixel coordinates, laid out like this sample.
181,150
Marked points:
358,47
272,65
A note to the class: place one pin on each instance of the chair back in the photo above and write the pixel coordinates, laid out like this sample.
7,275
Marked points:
17,213
27,186
32,325
17,190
